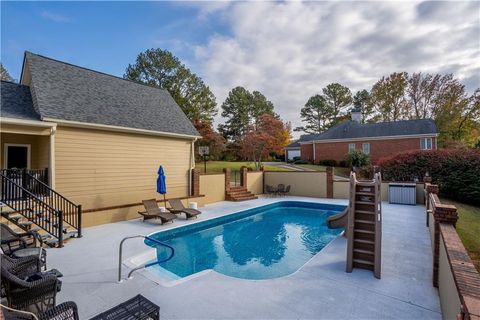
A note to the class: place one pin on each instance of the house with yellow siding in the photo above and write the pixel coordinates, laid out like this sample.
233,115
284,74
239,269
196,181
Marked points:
97,139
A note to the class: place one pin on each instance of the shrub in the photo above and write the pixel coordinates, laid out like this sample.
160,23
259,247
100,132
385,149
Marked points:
358,159
456,171
297,158
343,163
301,162
328,163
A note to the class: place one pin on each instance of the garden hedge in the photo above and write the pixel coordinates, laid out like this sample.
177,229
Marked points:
456,171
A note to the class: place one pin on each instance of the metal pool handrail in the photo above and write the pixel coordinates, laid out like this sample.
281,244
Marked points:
146,265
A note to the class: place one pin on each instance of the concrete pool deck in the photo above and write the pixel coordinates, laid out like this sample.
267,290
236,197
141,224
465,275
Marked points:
321,289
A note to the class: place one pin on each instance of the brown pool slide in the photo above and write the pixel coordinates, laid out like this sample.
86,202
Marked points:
338,220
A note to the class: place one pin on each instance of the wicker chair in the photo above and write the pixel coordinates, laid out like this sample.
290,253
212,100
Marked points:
64,311
34,296
22,244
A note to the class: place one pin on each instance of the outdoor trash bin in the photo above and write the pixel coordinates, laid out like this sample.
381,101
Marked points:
193,205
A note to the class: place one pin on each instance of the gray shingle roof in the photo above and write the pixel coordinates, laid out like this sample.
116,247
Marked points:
66,92
351,129
16,102
293,145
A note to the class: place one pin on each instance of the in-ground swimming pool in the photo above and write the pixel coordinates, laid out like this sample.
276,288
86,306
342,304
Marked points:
260,243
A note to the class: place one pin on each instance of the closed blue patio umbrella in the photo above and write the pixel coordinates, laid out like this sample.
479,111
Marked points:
161,185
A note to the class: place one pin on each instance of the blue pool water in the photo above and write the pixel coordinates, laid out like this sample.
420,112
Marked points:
261,243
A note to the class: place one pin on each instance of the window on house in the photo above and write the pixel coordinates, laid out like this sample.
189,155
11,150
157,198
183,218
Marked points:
366,148
426,144
351,147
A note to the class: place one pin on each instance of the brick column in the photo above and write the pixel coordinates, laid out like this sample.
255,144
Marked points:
330,182
228,174
243,176
195,182
445,214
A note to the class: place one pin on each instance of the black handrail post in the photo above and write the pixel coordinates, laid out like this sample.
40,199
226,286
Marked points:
79,221
60,228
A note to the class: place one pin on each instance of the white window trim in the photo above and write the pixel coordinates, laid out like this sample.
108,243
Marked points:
363,147
5,153
354,147
425,140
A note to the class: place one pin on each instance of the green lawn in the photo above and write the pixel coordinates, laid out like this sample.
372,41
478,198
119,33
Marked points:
468,228
217,166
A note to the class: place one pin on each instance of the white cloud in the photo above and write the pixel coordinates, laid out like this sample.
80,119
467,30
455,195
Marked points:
290,50
55,17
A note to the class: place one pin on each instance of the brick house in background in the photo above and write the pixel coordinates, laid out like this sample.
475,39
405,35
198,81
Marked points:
376,139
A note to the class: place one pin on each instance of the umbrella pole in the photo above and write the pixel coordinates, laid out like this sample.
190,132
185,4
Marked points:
165,201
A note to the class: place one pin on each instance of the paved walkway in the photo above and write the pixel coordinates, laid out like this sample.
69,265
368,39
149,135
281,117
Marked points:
321,289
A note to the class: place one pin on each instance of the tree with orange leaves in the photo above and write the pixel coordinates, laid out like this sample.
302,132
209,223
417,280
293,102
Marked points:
269,135
214,140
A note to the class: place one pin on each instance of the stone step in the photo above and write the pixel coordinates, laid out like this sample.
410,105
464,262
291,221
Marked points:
237,188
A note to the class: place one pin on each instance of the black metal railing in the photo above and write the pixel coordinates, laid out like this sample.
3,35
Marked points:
19,176
72,213
32,207
20,185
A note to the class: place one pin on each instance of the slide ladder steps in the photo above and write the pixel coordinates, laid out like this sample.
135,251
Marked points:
364,225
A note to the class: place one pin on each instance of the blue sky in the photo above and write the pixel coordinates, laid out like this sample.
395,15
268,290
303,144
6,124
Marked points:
104,36
287,50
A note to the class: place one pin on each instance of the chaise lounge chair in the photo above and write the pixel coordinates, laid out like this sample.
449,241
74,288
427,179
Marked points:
177,208
153,212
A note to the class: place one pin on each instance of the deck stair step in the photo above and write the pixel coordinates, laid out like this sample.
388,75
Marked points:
27,224
51,242
35,206
15,216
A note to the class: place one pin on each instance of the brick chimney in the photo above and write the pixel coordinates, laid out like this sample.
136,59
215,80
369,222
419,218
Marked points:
356,114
